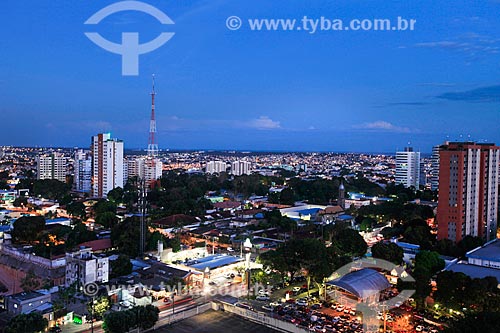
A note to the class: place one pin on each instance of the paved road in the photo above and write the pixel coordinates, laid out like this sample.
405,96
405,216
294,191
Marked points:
215,321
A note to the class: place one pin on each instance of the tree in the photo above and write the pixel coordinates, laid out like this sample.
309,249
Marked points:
106,219
120,266
116,195
367,224
30,281
103,206
51,189
80,234
388,251
287,196
483,322
28,228
27,323
349,242
143,317
126,236
98,306
148,316
427,263
76,209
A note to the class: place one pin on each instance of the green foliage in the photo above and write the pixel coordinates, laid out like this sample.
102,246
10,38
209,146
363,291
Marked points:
126,235
27,323
98,307
275,219
28,228
51,189
306,255
103,206
397,211
173,243
143,317
349,242
106,219
418,232
483,322
388,251
457,291
79,234
116,195
427,263
121,266
367,224
76,209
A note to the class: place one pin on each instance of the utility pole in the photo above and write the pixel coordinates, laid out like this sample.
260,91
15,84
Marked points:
142,211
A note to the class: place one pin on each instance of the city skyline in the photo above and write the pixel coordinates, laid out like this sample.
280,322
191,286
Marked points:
255,90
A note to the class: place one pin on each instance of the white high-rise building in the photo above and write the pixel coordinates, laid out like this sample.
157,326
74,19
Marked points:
239,168
435,168
146,168
51,166
107,164
83,171
215,167
408,168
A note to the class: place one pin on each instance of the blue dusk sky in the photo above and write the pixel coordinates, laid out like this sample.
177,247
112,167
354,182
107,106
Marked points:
217,88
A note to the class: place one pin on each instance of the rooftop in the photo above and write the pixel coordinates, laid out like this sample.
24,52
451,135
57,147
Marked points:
24,296
475,272
214,261
363,283
489,251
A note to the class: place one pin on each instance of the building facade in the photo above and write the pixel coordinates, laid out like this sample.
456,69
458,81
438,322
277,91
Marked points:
215,167
239,168
434,181
51,166
83,171
408,168
83,267
107,164
147,168
468,190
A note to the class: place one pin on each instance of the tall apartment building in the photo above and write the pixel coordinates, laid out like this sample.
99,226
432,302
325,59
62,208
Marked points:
83,171
83,267
51,166
468,190
215,167
107,164
146,168
408,168
239,168
434,181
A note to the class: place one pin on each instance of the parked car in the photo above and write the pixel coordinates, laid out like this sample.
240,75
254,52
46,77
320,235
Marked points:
301,302
262,298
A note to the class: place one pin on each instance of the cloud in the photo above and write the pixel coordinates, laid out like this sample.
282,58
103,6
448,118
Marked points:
381,125
437,84
471,44
408,104
264,122
490,94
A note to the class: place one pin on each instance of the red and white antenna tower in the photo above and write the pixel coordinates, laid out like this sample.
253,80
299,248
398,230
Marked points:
152,145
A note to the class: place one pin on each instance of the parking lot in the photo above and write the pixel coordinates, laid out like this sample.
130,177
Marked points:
215,321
